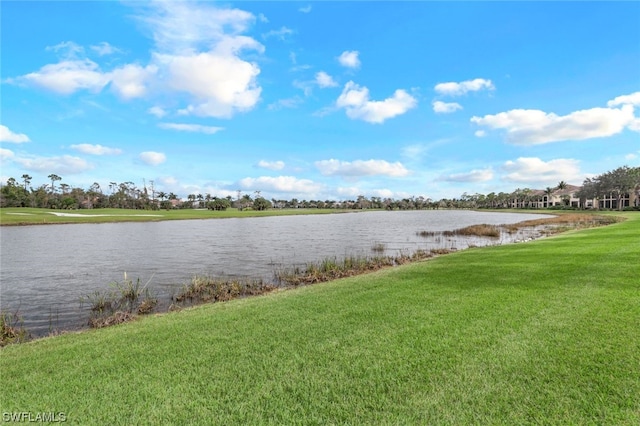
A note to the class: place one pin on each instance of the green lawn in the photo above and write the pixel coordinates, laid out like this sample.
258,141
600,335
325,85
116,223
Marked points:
36,216
546,332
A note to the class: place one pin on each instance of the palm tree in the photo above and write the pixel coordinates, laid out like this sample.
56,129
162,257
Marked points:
27,180
561,185
548,192
53,178
526,197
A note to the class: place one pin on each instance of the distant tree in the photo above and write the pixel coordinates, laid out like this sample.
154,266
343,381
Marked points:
191,200
588,191
219,204
12,194
548,192
561,185
41,196
527,195
261,203
620,182
27,180
244,202
363,202
53,178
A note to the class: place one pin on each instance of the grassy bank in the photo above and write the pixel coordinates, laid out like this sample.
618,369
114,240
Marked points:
34,216
543,332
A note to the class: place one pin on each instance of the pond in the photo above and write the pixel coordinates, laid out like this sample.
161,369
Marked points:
45,271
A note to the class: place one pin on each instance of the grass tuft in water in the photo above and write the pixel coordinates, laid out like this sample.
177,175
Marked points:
378,247
12,329
332,268
203,289
122,303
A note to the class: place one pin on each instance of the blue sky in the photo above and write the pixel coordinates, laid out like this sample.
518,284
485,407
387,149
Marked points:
319,100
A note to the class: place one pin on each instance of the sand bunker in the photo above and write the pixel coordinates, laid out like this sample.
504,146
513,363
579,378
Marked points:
103,215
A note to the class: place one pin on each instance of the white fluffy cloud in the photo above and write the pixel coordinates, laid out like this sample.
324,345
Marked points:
86,148
533,127
481,175
191,128
7,135
66,77
271,165
188,27
349,59
355,100
463,87
354,191
632,99
152,158
65,164
69,76
219,84
6,154
131,81
325,80
358,168
533,171
198,48
445,107
285,184
197,55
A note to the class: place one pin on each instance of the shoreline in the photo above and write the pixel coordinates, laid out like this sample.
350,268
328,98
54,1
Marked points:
27,216
321,271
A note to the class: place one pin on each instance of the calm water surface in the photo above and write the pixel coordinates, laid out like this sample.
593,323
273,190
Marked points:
46,270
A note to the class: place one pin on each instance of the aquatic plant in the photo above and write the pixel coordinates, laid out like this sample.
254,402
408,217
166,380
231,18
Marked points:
12,328
332,268
482,230
378,247
204,289
122,303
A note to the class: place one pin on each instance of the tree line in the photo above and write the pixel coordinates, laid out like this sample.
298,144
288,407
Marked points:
616,184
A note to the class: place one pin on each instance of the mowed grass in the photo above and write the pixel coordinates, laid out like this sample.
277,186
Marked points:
546,332
36,216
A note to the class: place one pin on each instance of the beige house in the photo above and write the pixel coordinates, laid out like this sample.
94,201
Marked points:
540,199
